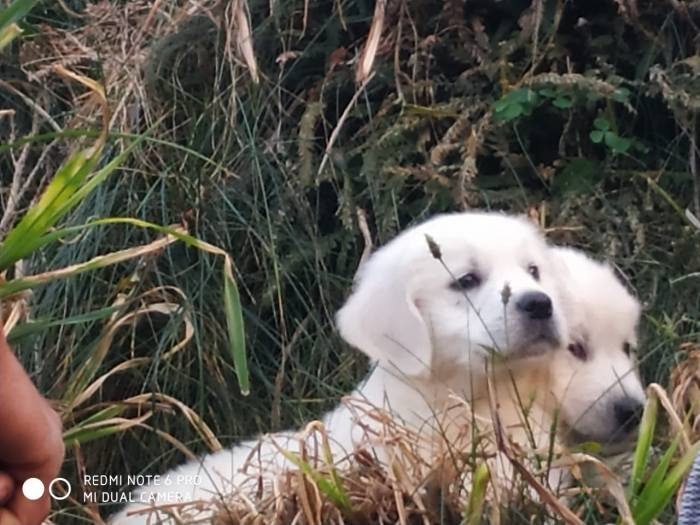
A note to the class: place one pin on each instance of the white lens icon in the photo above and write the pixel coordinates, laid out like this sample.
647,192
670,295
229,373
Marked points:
66,487
33,488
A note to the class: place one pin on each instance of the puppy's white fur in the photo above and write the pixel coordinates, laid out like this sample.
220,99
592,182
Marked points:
576,391
405,315
427,338
603,319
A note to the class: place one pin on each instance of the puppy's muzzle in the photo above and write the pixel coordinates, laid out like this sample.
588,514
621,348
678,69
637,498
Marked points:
539,331
535,305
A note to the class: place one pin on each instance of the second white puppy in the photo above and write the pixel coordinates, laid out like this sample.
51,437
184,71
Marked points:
428,321
590,387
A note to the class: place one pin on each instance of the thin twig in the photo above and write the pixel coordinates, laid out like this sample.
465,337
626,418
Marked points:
341,121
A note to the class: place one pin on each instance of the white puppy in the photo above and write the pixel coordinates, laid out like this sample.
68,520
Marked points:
596,379
429,321
590,387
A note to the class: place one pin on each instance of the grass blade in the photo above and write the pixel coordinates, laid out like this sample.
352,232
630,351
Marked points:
25,283
328,486
641,452
65,190
477,497
15,12
8,34
653,502
235,326
232,304
40,325
650,494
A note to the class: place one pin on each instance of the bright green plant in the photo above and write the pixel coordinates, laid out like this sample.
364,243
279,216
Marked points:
330,484
72,183
650,490
515,104
477,497
523,101
9,17
604,134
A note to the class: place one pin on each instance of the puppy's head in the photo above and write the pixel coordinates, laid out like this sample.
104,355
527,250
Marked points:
490,287
594,377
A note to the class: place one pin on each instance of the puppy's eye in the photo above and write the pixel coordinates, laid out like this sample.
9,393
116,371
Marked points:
578,351
534,271
466,282
627,349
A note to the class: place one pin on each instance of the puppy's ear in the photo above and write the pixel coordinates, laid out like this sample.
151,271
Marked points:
382,320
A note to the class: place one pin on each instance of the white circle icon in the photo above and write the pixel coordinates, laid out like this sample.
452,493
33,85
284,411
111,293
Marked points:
33,488
67,489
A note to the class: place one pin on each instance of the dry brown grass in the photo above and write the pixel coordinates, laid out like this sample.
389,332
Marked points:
411,490
359,490
685,390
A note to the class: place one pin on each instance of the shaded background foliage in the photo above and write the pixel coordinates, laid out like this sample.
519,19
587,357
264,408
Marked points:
581,114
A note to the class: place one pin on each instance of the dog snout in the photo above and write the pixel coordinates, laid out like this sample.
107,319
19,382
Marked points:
536,305
628,413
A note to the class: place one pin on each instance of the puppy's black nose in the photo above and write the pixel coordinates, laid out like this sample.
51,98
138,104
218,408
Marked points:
628,413
536,305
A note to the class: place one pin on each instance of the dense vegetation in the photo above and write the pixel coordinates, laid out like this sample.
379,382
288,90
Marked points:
279,149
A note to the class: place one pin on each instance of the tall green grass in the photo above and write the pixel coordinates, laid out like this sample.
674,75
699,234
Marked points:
44,225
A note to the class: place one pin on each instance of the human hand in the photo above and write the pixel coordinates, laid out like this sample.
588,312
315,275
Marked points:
31,444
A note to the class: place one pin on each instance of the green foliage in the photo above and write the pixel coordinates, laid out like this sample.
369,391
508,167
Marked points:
603,133
652,489
67,188
516,103
329,483
522,102
13,13
477,496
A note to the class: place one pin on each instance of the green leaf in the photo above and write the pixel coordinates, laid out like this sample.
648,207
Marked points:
524,96
511,112
528,109
15,12
82,436
15,286
622,145
8,34
663,484
601,123
101,424
651,488
40,325
610,138
501,104
477,497
593,96
596,136
22,239
647,427
621,95
588,447
235,326
617,143
679,470
563,102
